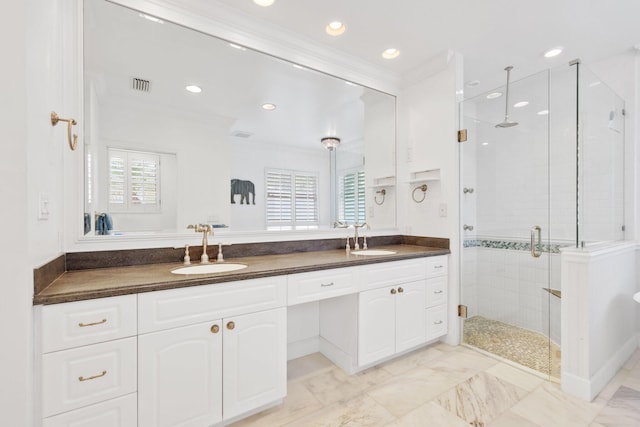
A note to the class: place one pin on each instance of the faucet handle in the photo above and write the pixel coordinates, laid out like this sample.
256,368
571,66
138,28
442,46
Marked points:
187,258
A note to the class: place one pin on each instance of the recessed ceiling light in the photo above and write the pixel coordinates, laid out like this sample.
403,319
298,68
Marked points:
543,112
553,52
268,106
473,83
194,89
236,46
335,28
521,104
485,143
594,84
151,18
494,95
390,53
264,3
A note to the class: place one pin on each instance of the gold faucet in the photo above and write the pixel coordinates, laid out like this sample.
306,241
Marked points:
206,230
356,245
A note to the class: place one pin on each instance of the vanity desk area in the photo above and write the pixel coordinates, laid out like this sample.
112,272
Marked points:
140,346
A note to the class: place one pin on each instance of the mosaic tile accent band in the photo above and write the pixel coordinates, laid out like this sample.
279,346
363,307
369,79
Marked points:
512,245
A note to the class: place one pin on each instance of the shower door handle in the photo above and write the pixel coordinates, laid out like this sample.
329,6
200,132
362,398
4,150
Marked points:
536,230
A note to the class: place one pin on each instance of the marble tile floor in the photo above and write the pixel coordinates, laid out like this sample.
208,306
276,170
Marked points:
444,386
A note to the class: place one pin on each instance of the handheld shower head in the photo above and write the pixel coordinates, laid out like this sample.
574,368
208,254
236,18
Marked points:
506,123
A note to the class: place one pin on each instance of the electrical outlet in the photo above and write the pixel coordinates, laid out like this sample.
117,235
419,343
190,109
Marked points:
443,209
371,212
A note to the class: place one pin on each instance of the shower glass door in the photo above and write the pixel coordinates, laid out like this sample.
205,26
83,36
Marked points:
506,267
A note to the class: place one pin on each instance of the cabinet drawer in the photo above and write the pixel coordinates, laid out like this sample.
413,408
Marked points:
436,291
120,412
436,322
186,306
392,273
305,287
437,266
82,376
80,323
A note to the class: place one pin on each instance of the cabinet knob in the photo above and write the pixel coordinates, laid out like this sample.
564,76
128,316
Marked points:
393,291
400,290
215,329
231,325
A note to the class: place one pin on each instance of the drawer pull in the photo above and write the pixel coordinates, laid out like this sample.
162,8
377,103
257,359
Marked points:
215,329
438,291
438,266
326,285
231,325
84,325
93,377
393,291
438,322
400,290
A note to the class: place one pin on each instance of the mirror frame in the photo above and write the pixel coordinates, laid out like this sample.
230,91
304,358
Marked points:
221,23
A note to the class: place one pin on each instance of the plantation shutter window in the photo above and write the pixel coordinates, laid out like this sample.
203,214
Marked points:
351,193
291,199
134,181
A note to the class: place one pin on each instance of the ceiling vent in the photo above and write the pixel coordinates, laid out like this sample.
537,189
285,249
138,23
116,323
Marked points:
140,85
241,134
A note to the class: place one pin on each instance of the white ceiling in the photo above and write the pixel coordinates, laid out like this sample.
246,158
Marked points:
490,34
235,83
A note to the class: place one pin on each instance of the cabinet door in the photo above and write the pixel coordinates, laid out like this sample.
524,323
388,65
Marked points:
376,325
180,376
411,328
255,360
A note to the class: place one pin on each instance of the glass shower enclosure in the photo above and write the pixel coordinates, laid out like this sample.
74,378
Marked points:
555,179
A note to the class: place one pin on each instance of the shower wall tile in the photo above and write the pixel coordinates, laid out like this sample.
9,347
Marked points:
508,286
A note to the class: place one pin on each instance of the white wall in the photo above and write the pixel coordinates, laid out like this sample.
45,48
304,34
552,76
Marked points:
201,151
427,127
598,338
249,161
31,38
15,311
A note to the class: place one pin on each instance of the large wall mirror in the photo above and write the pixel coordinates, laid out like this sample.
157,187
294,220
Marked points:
183,128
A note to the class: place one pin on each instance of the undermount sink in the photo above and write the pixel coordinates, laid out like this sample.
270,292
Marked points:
209,268
374,252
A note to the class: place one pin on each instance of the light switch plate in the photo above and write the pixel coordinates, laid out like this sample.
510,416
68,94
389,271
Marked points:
43,206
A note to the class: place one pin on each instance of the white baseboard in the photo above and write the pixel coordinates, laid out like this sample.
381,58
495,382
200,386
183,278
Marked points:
343,360
589,388
303,348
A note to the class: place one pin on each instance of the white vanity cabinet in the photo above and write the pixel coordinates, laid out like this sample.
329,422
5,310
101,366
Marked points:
180,376
232,361
88,362
436,298
390,320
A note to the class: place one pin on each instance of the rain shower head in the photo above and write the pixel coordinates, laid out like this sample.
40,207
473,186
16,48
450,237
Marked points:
506,123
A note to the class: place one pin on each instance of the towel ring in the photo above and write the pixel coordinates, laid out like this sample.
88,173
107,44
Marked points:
375,198
71,122
423,187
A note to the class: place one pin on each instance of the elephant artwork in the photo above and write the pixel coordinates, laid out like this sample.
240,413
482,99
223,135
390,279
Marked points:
243,188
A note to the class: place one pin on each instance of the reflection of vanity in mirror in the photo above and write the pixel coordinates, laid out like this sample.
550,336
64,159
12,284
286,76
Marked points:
159,157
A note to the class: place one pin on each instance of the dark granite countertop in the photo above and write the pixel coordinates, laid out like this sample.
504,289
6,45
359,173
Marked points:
105,282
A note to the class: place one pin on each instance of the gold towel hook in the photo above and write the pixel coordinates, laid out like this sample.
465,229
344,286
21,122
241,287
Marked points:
71,122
